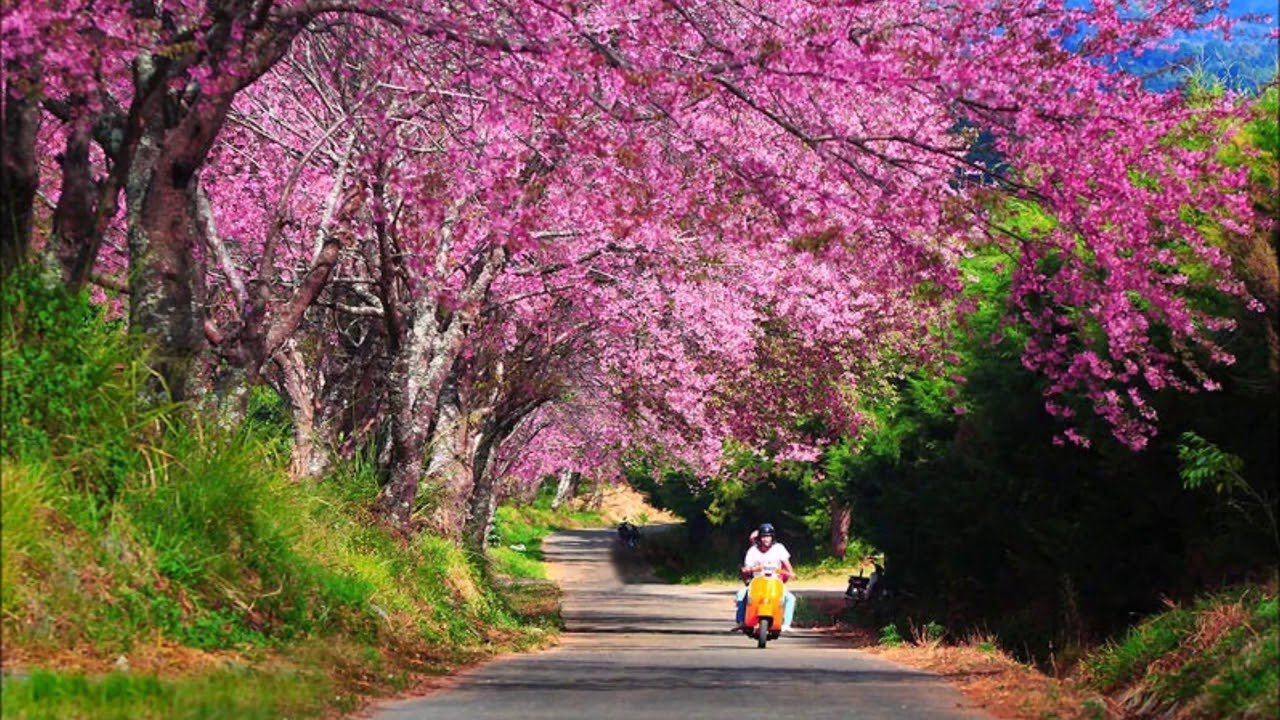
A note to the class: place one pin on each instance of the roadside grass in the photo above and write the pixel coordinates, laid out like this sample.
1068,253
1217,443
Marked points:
999,684
1217,658
515,545
123,696
318,614
517,564
156,565
516,560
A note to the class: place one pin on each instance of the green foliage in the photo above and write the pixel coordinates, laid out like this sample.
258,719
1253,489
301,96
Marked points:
1257,146
127,524
1127,659
1218,659
889,636
72,383
1204,463
930,632
126,696
267,418
673,490
721,511
985,523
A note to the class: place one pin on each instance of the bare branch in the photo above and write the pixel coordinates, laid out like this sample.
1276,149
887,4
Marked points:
204,216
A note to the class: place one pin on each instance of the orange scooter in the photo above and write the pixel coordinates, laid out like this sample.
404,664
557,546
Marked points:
764,604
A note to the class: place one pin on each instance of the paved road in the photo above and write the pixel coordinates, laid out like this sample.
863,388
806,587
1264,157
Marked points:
650,651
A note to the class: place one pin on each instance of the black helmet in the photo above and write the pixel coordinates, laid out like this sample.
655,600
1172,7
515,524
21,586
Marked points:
765,529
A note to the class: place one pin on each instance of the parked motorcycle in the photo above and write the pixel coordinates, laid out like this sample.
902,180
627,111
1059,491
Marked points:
764,605
863,588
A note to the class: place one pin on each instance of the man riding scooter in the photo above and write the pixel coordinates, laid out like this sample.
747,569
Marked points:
765,553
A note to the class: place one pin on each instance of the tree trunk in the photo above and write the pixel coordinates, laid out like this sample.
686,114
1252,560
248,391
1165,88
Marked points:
484,497
418,375
229,401
566,487
19,176
166,281
87,205
841,518
164,278
409,432
449,470
75,217
482,504
310,456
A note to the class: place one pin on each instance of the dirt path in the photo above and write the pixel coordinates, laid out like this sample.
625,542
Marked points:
649,650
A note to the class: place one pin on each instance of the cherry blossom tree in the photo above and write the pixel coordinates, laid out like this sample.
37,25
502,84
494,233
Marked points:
743,211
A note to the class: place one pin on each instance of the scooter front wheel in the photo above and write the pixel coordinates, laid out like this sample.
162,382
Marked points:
762,632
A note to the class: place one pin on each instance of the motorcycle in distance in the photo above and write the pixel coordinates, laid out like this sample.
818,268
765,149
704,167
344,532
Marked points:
764,604
628,534
863,588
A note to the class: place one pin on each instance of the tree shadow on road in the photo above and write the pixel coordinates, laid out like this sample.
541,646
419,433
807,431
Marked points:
631,563
582,547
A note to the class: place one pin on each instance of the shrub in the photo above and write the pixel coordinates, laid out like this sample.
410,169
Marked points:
72,387
889,636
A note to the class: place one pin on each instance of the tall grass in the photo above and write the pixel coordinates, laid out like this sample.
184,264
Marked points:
131,526
1219,658
126,696
515,547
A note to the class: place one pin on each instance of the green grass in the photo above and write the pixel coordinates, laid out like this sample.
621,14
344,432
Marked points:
516,543
515,563
1128,659
527,524
130,525
126,696
1219,658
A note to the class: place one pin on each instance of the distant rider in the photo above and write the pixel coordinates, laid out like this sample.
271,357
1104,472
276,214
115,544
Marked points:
764,552
628,533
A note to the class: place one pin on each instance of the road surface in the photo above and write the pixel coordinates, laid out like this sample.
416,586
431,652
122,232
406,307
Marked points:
651,651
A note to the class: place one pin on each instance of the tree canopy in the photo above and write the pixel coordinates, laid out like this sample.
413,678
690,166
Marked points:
502,238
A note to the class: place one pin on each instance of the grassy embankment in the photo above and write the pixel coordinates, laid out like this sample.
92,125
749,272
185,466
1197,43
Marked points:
155,565
1216,658
1219,657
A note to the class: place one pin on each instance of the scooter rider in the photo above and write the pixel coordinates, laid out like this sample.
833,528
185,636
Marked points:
765,552
628,533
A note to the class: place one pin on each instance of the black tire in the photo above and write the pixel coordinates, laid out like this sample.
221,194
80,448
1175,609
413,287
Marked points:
762,633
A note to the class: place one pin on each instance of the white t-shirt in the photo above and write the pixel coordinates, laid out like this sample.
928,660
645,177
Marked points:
771,558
